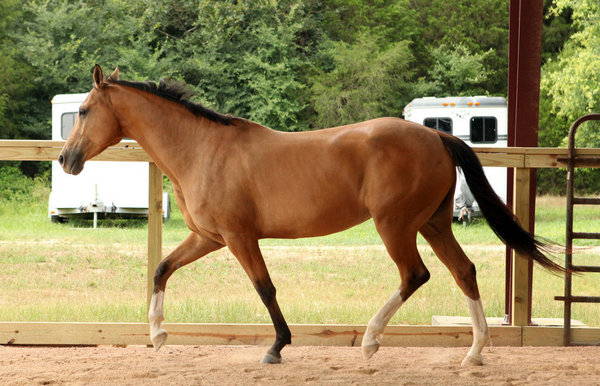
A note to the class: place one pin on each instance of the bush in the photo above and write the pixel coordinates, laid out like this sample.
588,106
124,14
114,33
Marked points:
554,182
16,187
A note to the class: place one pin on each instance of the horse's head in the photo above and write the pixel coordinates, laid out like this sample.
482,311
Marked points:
95,129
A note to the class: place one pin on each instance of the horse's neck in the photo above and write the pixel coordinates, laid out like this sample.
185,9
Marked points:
167,136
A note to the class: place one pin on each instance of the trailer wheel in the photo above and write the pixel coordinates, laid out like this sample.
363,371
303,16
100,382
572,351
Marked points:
57,219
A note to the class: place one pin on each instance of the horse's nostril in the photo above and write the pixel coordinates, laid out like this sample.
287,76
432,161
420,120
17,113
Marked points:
61,159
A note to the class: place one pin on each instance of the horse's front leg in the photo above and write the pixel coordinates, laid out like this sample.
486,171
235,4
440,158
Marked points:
248,254
191,249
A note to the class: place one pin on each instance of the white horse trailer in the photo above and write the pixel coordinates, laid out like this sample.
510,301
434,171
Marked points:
479,121
103,188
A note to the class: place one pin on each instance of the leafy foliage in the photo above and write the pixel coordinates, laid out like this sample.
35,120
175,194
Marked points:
16,187
456,71
478,26
294,65
364,83
572,78
569,87
17,89
242,58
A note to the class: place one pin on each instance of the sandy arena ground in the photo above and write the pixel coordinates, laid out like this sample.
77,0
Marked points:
238,365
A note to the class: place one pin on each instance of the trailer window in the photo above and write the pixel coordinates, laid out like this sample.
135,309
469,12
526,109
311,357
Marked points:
440,124
67,121
484,130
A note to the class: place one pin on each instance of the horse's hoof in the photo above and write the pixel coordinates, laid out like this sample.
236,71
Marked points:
370,349
159,339
472,360
270,359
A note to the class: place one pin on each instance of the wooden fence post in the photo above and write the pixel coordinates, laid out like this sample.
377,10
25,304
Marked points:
520,271
154,224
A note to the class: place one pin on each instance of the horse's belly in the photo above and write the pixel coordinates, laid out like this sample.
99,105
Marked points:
309,219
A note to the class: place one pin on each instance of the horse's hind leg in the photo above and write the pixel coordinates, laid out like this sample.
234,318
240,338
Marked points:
402,247
438,233
191,249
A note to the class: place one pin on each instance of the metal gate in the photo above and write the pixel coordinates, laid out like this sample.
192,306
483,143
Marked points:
572,163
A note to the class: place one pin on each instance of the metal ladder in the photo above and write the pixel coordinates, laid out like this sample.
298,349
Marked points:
572,162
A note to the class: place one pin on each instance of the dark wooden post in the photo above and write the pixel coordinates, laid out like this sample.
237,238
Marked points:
525,47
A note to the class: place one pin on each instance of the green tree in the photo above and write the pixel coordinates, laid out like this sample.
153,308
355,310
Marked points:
290,65
439,49
59,42
272,80
556,31
480,26
365,82
365,67
65,38
243,58
571,80
570,76
16,80
456,71
347,20
553,128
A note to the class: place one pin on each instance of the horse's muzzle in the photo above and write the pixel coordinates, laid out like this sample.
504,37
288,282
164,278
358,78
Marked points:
71,162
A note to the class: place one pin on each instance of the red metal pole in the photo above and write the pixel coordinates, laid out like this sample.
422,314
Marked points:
525,50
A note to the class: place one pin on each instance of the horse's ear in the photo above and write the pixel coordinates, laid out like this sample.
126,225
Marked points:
115,74
98,77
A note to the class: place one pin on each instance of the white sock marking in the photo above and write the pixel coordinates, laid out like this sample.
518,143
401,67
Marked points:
480,328
155,314
381,319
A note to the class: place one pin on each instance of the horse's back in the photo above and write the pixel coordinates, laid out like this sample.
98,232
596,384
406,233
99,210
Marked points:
319,182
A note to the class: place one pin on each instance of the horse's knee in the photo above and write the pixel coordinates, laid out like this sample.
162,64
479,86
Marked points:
266,292
413,281
468,282
160,275
418,277
471,271
467,274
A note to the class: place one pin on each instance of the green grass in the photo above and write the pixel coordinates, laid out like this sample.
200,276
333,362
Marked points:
70,272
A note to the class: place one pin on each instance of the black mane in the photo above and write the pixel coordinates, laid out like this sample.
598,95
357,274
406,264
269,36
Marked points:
177,92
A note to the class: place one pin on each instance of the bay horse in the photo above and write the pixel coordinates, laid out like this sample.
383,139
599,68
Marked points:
236,182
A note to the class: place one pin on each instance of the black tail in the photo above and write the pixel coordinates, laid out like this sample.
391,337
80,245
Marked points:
499,217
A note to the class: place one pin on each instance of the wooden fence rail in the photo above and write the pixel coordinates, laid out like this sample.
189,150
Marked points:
522,159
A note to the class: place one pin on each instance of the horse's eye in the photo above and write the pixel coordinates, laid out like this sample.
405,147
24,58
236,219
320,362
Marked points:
82,112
